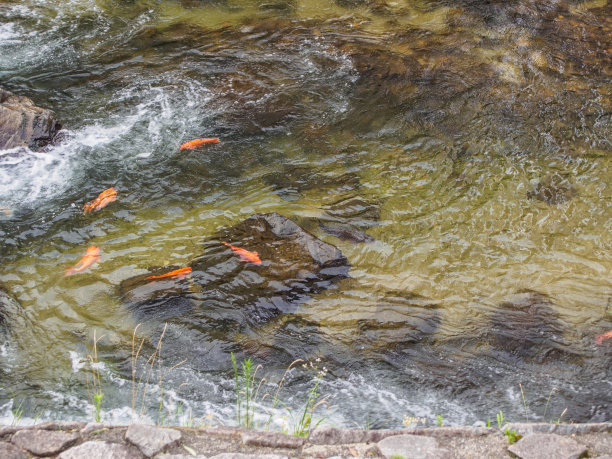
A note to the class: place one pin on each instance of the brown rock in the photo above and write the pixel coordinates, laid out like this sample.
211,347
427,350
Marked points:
24,124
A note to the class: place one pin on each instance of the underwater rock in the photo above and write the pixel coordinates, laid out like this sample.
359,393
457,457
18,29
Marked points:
292,180
527,326
10,310
355,208
23,124
399,319
553,189
346,234
223,291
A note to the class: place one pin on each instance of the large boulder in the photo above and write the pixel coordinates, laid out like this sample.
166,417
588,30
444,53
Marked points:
23,124
226,291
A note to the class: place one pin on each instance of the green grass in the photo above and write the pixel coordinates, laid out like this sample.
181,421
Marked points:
17,411
246,395
439,420
247,390
500,419
512,437
94,387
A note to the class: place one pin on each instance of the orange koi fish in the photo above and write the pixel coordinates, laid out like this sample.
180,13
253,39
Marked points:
91,256
245,255
604,336
103,199
176,274
197,143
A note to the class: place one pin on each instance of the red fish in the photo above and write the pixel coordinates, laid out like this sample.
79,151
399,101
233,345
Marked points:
176,274
103,199
91,256
245,255
604,336
197,143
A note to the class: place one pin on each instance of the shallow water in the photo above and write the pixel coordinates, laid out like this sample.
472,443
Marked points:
427,125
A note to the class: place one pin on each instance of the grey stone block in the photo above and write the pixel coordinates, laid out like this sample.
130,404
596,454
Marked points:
93,427
271,440
335,436
44,442
100,450
560,429
352,450
60,425
179,456
151,440
549,446
412,447
248,456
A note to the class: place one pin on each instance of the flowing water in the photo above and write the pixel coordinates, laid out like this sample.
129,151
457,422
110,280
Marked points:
471,140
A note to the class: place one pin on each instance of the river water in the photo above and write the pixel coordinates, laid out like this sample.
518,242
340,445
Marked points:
470,140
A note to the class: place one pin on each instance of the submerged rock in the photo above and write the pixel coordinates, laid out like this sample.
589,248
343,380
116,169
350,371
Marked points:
23,124
527,326
224,291
346,234
10,311
399,319
295,180
553,189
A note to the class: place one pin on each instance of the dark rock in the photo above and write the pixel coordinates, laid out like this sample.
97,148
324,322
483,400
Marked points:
100,450
8,451
23,124
347,234
151,440
537,446
291,181
412,447
10,310
399,319
553,189
44,442
356,210
527,326
223,293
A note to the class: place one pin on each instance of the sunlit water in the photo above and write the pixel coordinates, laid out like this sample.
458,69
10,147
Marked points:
427,125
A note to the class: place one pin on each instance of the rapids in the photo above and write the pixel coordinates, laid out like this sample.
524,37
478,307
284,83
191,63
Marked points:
468,142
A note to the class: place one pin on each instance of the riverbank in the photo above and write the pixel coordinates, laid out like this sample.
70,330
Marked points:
74,440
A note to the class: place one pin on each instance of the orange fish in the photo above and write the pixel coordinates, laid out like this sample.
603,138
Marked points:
91,256
176,274
103,199
604,336
197,143
245,255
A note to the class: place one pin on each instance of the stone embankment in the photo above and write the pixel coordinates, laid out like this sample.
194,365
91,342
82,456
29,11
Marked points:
72,440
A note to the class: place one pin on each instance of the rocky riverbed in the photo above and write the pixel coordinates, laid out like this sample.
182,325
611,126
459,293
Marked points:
68,440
